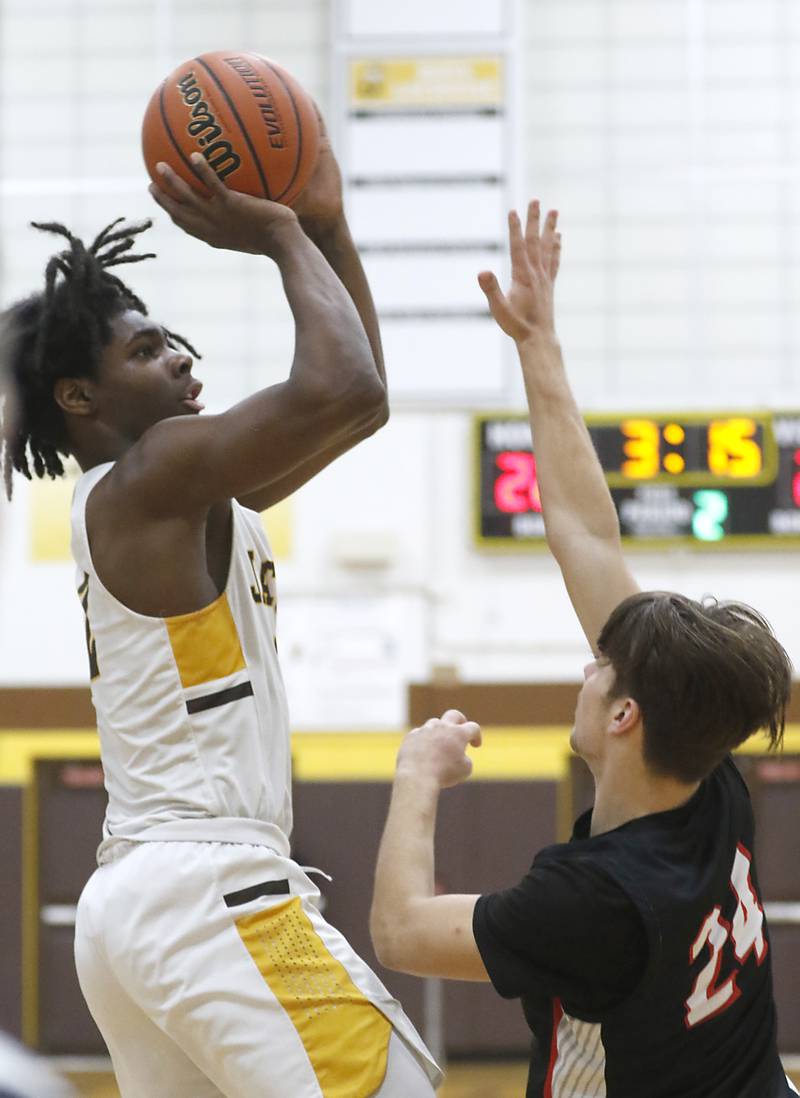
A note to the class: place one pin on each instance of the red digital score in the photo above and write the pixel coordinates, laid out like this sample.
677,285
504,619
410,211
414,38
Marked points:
796,480
517,489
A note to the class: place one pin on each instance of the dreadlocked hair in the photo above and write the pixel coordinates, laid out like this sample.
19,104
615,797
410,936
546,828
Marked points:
61,332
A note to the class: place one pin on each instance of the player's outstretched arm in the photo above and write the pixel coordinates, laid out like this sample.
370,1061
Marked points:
412,929
579,515
333,397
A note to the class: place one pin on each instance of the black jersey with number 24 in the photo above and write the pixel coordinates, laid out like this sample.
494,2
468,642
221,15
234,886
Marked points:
642,956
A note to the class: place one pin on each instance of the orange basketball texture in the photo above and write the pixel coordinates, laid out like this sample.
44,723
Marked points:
252,121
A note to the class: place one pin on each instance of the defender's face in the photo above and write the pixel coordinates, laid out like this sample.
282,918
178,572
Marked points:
142,378
593,709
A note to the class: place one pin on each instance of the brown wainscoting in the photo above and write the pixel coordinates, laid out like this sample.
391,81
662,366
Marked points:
512,703
46,707
11,908
515,703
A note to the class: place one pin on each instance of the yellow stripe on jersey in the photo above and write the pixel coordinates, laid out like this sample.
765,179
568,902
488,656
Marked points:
345,1037
205,643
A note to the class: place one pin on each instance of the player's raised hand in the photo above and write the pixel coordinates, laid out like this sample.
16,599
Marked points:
527,307
438,749
224,218
320,204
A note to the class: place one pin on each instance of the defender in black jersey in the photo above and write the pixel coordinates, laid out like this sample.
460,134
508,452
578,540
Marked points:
639,949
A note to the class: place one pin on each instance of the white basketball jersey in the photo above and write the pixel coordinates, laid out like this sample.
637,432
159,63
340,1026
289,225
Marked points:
191,710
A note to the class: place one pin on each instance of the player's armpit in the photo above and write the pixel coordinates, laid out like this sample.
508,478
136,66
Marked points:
275,490
432,937
597,579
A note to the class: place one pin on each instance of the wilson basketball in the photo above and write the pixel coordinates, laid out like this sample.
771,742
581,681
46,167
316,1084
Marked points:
251,120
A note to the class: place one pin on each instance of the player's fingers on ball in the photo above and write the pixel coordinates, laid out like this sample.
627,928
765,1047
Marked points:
206,174
165,201
172,184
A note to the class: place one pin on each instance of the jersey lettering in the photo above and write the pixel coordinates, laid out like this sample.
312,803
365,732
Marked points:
262,591
709,997
91,643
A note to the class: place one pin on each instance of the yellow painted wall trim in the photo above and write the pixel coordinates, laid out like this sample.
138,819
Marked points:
508,753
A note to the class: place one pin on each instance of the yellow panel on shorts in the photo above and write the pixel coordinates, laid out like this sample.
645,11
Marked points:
205,643
345,1037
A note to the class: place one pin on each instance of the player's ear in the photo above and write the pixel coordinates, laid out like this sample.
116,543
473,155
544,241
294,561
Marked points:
624,716
74,395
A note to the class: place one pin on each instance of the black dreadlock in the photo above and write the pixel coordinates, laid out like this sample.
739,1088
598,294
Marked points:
61,332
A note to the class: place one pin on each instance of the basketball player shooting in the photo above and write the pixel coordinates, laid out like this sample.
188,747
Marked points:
639,949
199,946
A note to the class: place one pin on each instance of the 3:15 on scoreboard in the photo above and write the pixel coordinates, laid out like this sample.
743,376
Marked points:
708,480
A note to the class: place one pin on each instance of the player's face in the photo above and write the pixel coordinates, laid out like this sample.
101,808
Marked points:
593,709
142,378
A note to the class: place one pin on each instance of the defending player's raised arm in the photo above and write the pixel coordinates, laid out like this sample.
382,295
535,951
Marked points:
581,522
332,398
413,930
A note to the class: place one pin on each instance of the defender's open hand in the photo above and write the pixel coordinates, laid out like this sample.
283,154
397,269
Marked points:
527,308
224,219
438,749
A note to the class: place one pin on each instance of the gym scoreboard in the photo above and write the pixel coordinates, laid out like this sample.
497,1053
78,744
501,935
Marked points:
704,480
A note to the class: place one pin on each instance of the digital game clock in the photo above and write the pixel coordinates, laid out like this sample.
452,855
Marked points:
711,479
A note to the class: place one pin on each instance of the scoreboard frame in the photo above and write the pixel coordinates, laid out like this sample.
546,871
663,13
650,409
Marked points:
731,542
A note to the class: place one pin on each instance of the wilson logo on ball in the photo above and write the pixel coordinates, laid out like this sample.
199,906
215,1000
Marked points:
219,153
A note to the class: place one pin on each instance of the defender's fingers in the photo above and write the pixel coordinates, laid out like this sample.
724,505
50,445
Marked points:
555,259
548,239
532,233
516,242
206,174
496,299
471,731
454,716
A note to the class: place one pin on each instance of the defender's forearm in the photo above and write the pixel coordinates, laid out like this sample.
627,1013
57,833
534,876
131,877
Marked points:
405,869
575,496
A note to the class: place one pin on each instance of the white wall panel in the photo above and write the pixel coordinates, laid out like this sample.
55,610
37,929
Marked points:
453,360
630,19
745,19
459,213
426,147
448,280
366,18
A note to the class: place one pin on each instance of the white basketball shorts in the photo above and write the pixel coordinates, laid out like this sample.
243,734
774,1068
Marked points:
210,971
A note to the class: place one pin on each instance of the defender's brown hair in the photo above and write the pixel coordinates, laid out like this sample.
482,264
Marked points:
706,676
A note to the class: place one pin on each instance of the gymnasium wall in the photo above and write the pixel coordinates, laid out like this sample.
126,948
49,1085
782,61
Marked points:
667,134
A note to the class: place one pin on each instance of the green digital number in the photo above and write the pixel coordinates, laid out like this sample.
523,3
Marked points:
710,514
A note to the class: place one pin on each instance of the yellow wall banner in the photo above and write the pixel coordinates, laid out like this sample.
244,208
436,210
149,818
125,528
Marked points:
396,82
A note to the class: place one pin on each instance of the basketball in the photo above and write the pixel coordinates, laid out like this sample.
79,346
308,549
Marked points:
251,120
